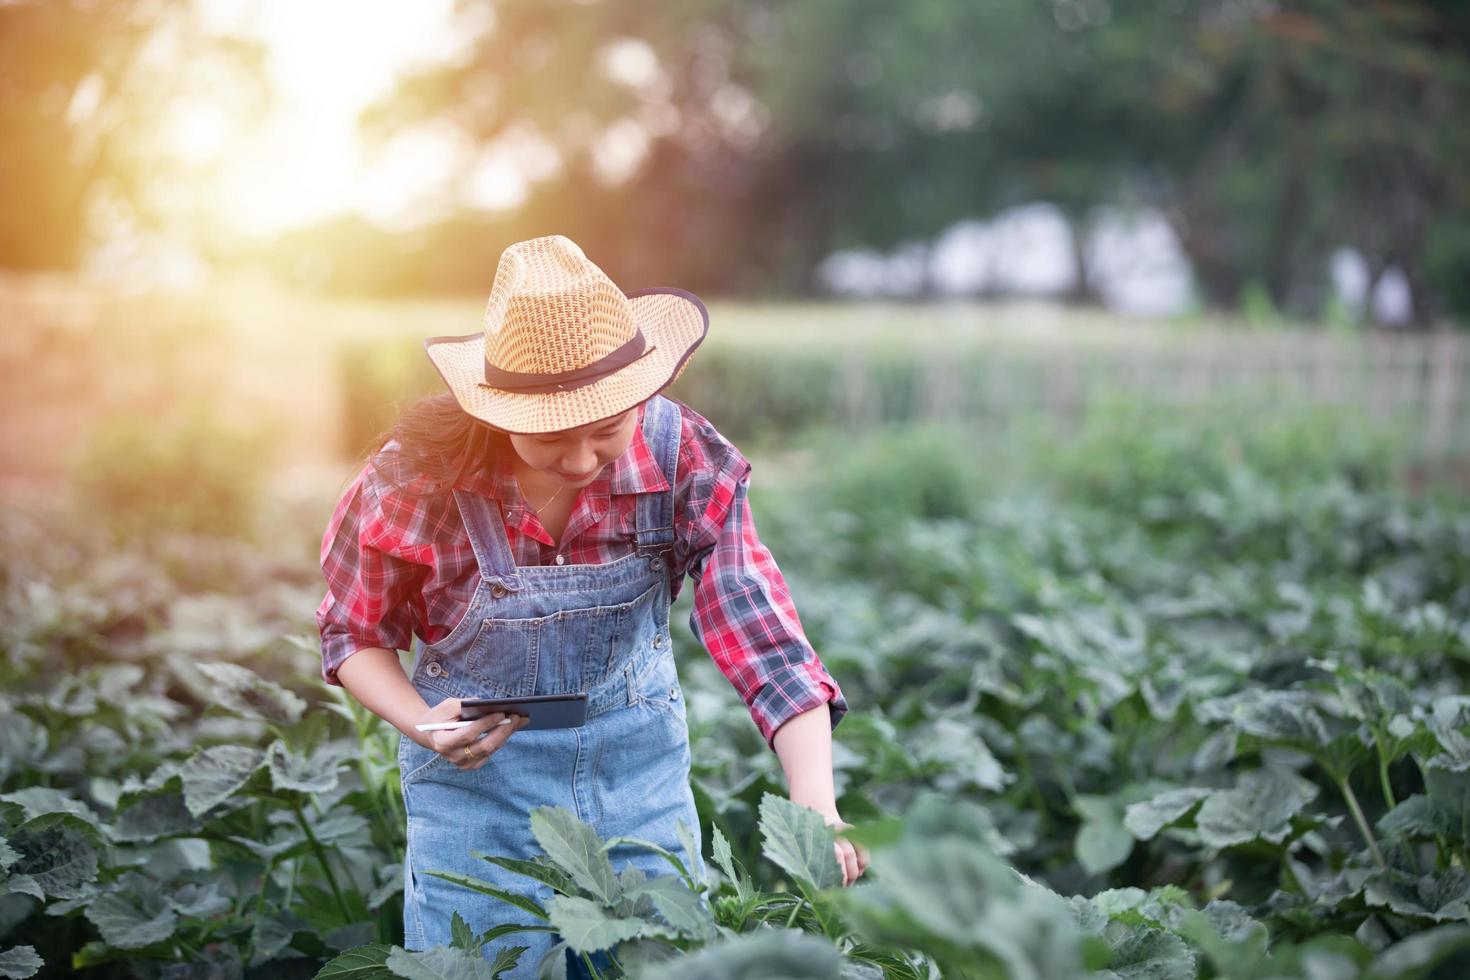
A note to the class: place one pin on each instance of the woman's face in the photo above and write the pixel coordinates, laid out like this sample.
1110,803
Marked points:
575,456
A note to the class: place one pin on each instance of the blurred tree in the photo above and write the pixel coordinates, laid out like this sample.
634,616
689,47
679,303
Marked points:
1280,131
85,93
755,137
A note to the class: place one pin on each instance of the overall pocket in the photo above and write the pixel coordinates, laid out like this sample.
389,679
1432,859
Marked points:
567,651
415,761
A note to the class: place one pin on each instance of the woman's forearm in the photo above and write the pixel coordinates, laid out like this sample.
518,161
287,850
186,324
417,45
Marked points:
803,743
375,677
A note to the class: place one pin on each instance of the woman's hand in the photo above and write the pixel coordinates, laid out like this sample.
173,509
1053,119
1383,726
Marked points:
852,858
469,747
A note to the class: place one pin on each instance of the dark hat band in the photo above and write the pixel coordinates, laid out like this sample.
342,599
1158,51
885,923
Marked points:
523,383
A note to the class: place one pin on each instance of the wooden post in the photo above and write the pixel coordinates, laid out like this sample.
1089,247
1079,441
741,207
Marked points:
1443,395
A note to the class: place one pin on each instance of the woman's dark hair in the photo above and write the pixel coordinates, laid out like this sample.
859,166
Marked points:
438,444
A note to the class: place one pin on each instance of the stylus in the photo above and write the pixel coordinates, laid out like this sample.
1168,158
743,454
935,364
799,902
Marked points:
445,726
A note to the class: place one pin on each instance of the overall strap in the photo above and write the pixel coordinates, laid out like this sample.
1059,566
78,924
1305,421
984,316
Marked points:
661,429
486,527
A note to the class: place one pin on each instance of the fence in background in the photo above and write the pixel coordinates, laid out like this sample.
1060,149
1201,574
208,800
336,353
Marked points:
1419,379
72,354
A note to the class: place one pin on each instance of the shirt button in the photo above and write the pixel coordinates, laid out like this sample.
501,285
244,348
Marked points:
561,559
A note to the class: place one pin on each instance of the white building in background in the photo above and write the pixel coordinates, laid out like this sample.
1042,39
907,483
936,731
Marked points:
1136,263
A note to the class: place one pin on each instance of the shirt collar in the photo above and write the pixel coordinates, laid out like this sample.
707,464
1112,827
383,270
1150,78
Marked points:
635,471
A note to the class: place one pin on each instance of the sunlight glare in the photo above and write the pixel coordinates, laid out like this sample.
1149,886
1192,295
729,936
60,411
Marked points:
200,131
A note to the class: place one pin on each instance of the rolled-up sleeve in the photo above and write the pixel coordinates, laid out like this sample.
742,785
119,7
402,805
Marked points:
743,611
371,591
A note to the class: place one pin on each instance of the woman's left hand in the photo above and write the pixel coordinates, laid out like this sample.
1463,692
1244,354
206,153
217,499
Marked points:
852,858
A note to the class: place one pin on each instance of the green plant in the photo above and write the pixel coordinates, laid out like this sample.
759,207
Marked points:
190,472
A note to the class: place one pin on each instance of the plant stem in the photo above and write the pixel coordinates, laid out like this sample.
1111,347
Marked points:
1361,821
321,856
1383,779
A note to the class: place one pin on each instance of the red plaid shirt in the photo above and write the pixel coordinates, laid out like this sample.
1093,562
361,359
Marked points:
396,565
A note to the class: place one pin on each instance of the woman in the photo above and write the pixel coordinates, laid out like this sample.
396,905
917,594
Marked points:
532,531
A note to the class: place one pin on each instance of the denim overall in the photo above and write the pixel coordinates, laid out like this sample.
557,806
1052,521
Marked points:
602,629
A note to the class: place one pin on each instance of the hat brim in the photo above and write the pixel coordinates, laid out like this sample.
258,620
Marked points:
674,323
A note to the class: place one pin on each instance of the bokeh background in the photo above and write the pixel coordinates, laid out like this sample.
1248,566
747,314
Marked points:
1103,363
260,207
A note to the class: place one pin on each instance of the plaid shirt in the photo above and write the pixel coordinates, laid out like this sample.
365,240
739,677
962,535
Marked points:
397,566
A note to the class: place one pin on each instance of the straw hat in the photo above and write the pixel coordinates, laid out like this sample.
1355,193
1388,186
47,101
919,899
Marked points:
563,346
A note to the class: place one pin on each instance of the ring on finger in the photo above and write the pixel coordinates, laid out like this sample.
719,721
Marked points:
470,753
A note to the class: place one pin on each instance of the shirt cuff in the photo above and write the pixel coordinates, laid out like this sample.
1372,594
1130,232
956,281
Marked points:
791,691
337,647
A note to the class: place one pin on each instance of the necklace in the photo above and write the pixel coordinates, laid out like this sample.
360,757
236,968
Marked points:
537,510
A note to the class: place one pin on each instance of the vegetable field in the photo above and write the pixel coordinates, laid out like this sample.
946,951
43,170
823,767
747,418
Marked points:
1165,698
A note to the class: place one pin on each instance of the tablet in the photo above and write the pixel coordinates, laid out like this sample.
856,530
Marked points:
544,710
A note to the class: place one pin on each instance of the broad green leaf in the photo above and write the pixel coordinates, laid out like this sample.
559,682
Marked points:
59,859
553,965
588,927
1145,953
1260,807
1439,896
152,817
631,901
1414,817
1284,717
679,906
798,841
239,689
8,854
1233,923
272,933
212,775
1144,820
945,885
576,849
199,901
1102,846
1419,955
1102,842
362,963
961,757
20,962
22,885
439,963
316,773
342,825
1449,794
133,919
390,887
768,955
936,815
39,801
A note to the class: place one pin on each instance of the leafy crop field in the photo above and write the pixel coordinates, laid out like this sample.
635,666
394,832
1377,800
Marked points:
1167,698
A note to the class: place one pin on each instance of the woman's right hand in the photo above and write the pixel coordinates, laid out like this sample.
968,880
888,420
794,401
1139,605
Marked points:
469,747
